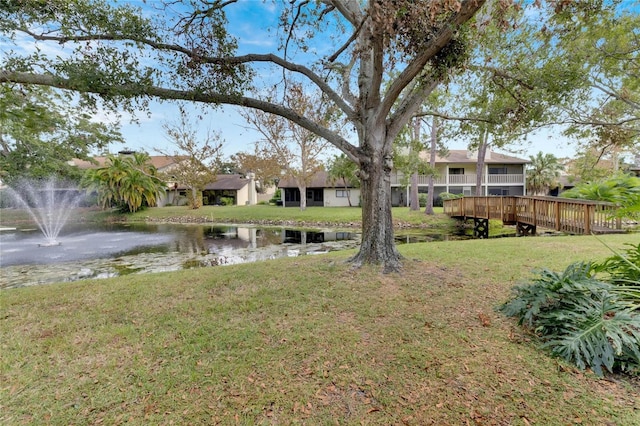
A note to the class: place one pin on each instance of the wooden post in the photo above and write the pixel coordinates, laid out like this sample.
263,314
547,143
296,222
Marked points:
587,219
557,213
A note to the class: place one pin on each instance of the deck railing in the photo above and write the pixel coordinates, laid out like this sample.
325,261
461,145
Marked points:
510,179
561,214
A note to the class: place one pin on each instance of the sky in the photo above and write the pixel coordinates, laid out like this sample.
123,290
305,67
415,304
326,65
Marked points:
247,16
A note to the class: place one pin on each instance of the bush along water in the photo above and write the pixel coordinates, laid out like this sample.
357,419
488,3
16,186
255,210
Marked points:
588,315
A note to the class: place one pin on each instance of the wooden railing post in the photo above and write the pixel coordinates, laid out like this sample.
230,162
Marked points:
587,219
557,213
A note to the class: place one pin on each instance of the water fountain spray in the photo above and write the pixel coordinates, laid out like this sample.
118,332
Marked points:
49,204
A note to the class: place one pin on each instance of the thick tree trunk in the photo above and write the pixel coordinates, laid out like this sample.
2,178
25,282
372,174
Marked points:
378,243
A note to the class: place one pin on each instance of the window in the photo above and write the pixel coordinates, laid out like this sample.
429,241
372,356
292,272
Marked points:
342,193
291,195
498,170
456,170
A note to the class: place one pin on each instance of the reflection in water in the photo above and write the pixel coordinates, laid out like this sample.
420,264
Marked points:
100,251
89,251
307,237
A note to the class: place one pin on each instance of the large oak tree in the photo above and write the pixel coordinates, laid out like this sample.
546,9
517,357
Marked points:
125,57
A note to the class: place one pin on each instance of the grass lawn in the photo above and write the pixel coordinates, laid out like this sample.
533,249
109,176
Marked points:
349,216
303,341
345,216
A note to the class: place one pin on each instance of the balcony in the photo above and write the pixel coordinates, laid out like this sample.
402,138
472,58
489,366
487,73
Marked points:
468,179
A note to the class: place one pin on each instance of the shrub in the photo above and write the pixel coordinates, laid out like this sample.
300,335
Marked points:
623,190
450,196
226,201
589,314
277,196
422,200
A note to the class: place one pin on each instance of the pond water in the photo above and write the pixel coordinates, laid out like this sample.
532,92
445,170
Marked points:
101,251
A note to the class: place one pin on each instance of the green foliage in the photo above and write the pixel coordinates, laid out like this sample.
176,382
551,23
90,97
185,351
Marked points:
40,131
342,167
623,190
543,173
422,200
226,201
605,108
277,196
450,196
624,270
590,320
128,182
586,166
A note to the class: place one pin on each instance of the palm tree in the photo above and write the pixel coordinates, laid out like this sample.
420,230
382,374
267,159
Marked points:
543,173
127,182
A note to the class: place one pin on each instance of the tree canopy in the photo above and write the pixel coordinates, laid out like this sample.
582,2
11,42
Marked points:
41,131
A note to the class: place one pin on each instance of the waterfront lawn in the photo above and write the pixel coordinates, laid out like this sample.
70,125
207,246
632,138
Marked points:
303,341
263,214
351,216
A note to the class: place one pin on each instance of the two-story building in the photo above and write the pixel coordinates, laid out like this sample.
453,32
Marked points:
502,175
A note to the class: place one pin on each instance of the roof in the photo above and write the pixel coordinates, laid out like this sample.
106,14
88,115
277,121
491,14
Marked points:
228,182
158,161
465,156
319,180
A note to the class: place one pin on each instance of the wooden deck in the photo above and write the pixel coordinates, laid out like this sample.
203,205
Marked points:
560,214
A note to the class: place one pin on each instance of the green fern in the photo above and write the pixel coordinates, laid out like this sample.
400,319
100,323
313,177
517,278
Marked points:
587,319
598,333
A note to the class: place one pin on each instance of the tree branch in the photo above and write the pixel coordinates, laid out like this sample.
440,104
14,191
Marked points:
453,117
301,69
632,104
188,95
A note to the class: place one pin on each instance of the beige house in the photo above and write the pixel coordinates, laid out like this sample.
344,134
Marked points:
239,190
502,175
320,192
